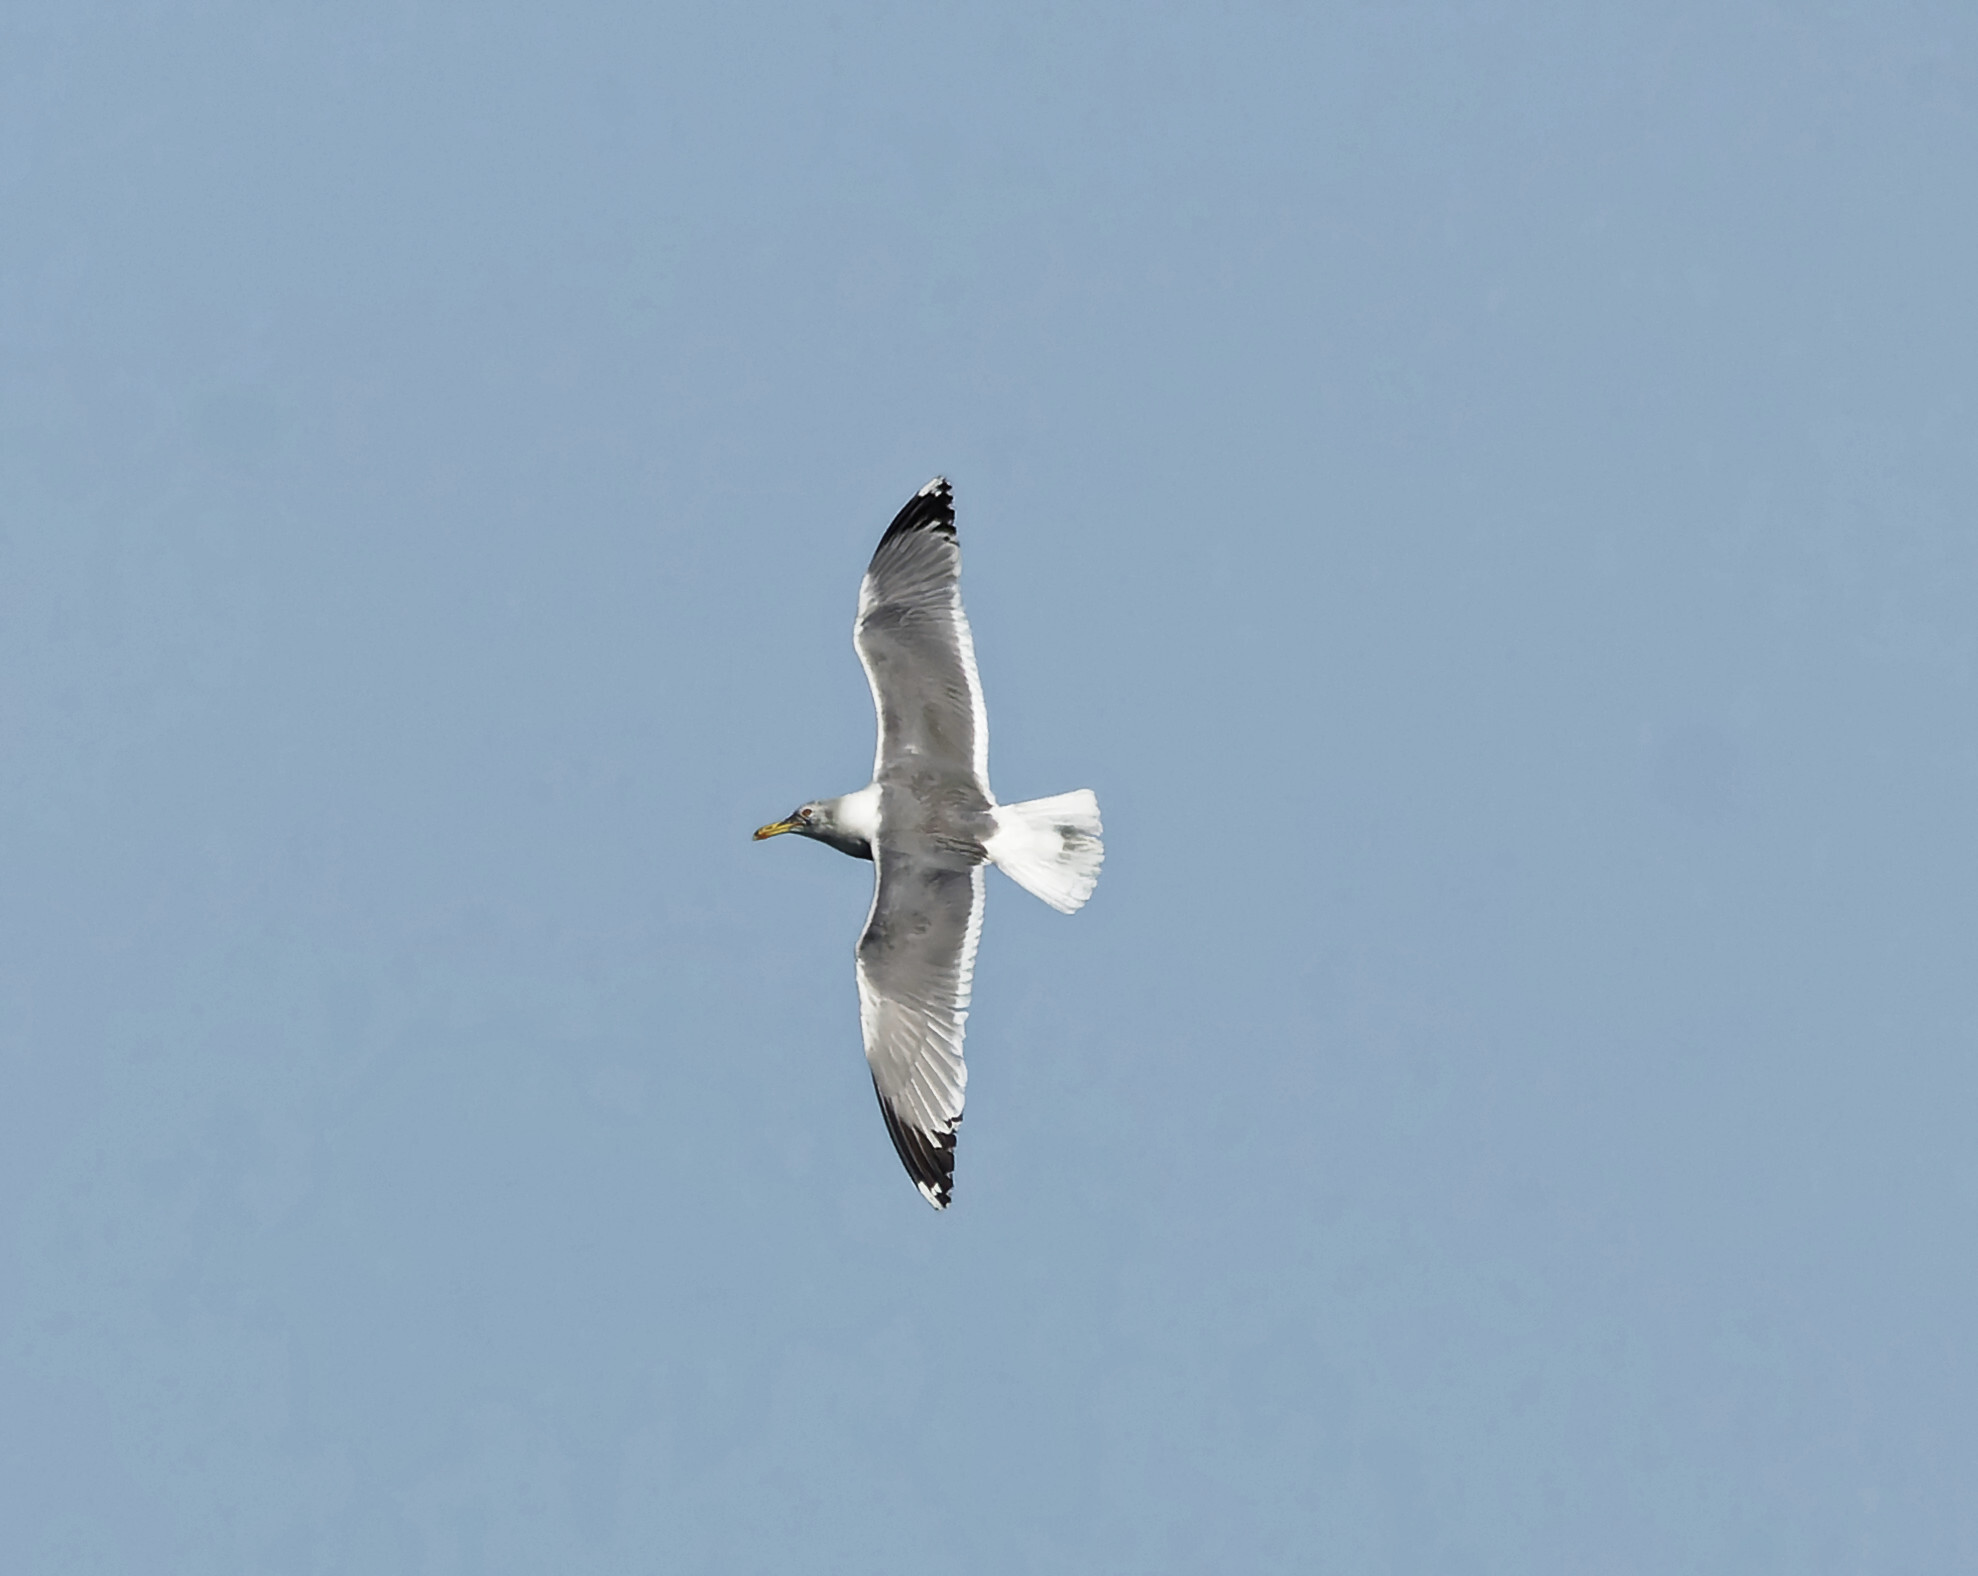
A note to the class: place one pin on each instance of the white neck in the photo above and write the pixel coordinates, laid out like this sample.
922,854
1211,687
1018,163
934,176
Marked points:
858,813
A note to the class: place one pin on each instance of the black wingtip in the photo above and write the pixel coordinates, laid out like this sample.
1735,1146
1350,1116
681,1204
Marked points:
930,509
928,1157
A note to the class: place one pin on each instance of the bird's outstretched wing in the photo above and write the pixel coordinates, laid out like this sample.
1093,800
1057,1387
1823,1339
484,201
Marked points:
916,964
912,638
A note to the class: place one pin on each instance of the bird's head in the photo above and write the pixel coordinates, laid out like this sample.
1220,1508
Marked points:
847,823
806,818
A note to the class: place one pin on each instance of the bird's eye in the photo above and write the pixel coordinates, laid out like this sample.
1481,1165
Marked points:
803,815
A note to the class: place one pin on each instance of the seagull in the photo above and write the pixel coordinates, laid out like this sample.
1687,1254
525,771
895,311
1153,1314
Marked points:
930,825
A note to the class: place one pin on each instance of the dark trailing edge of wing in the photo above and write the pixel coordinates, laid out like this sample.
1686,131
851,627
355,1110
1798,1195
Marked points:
928,1157
931,510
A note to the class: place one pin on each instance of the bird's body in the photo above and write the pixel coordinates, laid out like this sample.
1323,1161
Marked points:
930,824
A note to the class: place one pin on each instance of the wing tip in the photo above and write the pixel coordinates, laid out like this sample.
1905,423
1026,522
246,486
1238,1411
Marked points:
930,509
940,1197
928,1156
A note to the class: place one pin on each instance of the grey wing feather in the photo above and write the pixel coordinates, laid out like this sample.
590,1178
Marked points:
916,966
913,640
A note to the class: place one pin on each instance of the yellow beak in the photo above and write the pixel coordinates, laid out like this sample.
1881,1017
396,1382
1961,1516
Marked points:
773,828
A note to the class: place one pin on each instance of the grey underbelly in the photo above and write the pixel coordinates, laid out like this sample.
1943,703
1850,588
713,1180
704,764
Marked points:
949,814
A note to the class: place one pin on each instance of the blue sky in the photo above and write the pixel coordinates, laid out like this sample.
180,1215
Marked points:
1483,494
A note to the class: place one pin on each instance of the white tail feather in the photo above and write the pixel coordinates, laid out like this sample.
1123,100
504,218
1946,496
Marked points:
1050,847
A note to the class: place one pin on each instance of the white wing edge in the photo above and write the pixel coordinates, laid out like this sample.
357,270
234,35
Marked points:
878,706
965,641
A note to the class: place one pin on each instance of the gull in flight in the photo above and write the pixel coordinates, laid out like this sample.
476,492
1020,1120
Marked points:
929,824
